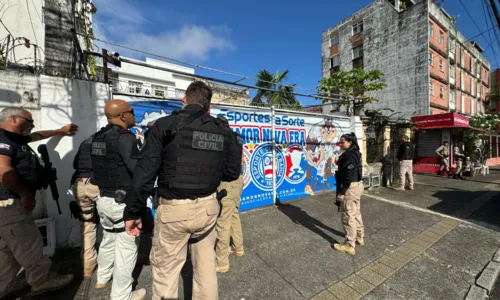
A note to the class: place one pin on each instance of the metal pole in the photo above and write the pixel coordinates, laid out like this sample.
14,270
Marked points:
105,64
274,152
7,52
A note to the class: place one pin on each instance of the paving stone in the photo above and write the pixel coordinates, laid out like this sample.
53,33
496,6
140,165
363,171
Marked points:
437,230
432,234
496,257
489,276
400,257
324,295
344,292
407,251
444,226
371,276
451,222
476,293
359,284
414,247
426,238
381,269
391,262
420,242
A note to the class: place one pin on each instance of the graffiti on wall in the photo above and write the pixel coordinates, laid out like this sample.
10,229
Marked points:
306,148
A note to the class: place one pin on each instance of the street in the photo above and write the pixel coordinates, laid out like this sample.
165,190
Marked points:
412,251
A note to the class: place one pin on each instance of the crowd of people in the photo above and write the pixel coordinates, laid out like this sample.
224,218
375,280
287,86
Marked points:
196,162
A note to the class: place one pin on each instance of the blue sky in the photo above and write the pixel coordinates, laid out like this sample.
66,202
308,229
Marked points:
242,37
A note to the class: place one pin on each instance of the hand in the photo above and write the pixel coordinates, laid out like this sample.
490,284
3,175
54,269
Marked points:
340,197
69,129
133,227
28,201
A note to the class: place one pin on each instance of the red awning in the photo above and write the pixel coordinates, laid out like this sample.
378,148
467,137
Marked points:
448,120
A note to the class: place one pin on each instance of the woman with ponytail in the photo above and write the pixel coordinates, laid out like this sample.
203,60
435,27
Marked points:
349,191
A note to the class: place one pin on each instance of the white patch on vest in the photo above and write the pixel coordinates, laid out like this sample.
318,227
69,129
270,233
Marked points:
99,148
208,141
4,146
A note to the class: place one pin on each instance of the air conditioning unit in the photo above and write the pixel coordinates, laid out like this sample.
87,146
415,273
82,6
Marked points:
47,229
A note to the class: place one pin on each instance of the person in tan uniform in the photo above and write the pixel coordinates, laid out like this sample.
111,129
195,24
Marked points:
444,152
229,223
405,157
189,153
350,188
85,194
20,177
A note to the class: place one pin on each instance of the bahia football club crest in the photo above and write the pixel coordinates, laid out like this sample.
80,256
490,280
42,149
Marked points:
296,164
261,167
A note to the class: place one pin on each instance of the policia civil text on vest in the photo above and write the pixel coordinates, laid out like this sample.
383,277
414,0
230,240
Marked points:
190,164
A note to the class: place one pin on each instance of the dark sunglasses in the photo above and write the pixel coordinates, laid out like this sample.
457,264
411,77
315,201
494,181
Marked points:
129,112
28,120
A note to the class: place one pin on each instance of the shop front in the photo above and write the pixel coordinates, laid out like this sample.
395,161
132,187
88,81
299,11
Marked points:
431,132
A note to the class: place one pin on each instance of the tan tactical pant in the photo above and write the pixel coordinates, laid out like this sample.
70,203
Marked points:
351,214
176,221
20,245
86,194
459,167
405,167
445,164
229,223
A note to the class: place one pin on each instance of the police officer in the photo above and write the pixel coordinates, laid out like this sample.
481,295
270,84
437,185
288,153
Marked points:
190,152
85,194
20,176
444,152
350,188
405,157
229,223
114,152
460,159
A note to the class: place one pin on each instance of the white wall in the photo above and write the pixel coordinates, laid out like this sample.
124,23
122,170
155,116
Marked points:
55,102
16,17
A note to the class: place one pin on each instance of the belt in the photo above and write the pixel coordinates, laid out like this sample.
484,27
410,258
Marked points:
188,201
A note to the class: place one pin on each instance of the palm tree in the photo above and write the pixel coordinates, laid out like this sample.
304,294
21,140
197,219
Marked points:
275,92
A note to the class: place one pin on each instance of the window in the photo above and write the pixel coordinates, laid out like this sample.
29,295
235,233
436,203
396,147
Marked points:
452,72
462,106
334,40
357,28
441,65
357,52
441,37
441,92
431,29
431,88
451,46
335,61
462,56
462,84
479,107
431,58
470,85
470,64
135,87
158,90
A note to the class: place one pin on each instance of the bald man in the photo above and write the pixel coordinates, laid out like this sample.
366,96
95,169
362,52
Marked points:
114,155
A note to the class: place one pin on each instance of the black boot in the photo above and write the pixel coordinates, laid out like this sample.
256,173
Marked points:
455,176
461,177
439,173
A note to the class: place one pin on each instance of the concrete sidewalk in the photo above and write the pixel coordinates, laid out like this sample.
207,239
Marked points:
410,254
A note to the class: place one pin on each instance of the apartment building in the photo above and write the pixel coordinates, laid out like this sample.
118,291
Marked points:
429,66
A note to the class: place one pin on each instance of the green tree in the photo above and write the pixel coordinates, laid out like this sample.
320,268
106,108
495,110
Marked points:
350,87
275,93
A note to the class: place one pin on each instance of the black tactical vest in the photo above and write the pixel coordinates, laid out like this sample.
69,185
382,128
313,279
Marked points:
27,165
193,161
83,160
109,170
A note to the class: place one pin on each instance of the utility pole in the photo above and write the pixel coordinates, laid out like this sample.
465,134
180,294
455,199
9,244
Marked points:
495,11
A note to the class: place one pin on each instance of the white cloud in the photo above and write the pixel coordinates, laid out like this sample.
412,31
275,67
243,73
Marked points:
124,24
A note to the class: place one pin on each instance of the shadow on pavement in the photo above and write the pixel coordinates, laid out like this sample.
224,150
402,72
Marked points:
298,216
